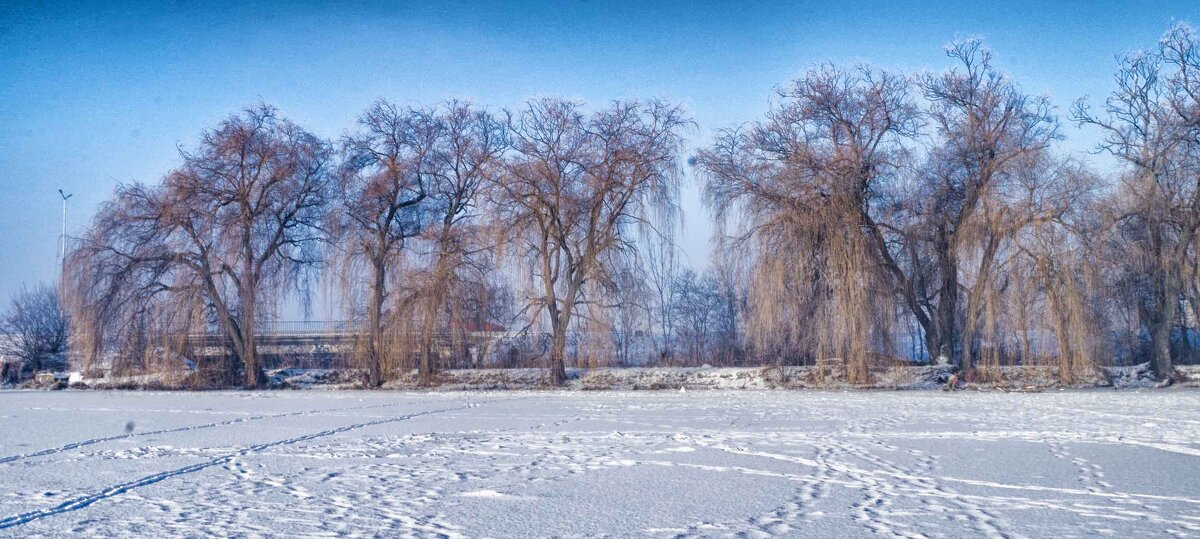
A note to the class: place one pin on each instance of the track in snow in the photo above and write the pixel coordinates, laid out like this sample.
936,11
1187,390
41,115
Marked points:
114,490
228,422
659,464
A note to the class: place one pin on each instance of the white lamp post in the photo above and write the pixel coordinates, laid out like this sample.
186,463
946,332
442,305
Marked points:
62,240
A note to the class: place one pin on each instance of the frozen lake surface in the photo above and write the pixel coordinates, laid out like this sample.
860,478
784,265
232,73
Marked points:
659,464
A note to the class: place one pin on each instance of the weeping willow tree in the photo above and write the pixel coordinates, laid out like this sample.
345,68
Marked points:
1039,196
1070,285
411,246
837,230
216,244
116,285
799,196
382,186
986,129
575,191
1151,125
454,282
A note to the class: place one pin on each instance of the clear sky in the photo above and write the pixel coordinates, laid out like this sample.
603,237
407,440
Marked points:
96,94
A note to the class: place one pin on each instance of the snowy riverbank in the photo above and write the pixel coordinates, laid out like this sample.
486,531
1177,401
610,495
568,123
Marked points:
667,378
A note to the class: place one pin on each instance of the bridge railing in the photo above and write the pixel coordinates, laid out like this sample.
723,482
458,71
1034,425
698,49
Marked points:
296,327
317,327
306,327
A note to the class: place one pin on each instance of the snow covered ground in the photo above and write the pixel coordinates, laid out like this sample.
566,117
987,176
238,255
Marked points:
660,464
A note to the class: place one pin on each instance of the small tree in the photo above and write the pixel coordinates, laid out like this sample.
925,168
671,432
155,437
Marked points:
35,329
696,309
662,270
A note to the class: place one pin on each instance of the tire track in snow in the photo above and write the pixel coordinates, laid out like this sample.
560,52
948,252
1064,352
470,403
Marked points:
227,422
114,490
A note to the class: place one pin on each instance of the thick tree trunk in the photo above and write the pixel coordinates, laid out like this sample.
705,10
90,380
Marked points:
248,298
947,312
1161,349
234,338
947,326
560,319
1166,299
251,363
558,352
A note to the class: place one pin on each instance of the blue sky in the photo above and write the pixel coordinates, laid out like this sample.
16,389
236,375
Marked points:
96,94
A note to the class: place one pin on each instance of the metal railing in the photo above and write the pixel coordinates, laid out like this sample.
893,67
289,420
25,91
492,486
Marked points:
295,327
305,327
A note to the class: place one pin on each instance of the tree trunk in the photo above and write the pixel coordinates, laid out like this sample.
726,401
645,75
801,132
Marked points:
1060,335
235,339
251,364
558,352
947,312
1166,299
559,320
374,354
438,289
425,369
946,320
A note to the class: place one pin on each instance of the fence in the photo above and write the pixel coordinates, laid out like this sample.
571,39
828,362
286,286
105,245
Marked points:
296,327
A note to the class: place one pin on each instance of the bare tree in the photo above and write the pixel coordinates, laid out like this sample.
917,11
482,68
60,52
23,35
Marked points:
576,188
465,162
630,313
801,190
697,307
825,180
662,272
986,126
236,224
729,305
705,311
34,329
387,168
122,286
1151,124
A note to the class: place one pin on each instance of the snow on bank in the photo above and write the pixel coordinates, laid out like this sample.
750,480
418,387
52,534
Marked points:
659,464
671,378
705,378
676,378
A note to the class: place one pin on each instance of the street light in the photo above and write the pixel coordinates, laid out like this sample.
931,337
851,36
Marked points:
62,253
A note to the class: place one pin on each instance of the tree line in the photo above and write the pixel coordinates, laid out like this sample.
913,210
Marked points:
871,217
